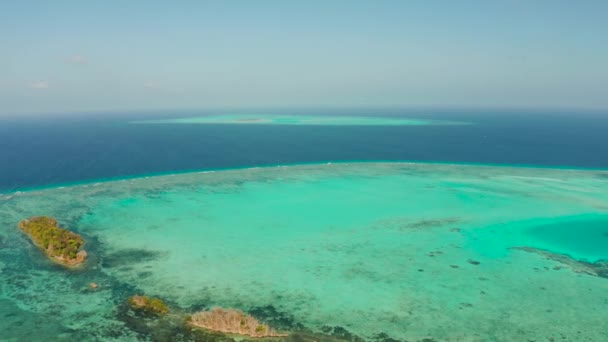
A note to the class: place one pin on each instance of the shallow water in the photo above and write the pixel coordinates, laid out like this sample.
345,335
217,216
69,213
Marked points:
399,250
315,120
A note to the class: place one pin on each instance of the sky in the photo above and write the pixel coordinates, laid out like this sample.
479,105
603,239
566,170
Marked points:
71,56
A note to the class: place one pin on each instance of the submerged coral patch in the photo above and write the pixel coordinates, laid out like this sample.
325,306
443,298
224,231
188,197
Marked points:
130,256
598,268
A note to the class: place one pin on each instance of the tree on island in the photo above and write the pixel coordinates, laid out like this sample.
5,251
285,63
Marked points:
60,245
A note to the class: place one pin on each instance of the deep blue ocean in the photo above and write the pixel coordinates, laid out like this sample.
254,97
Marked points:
56,149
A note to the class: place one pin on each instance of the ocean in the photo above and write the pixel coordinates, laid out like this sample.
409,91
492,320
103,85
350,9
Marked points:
74,148
325,225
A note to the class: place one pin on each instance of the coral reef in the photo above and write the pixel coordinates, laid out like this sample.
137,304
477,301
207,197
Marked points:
231,321
60,245
597,269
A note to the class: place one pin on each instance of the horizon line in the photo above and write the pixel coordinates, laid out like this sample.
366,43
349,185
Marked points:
177,110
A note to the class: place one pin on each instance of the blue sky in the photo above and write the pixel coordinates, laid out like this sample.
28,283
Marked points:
64,56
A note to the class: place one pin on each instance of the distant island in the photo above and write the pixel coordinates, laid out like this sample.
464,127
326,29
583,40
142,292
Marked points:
60,245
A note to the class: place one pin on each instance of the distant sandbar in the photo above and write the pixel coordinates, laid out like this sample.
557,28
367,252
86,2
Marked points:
310,120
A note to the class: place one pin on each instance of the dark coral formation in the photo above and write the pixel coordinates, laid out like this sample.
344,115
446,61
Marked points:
406,224
129,257
341,333
423,224
597,269
275,318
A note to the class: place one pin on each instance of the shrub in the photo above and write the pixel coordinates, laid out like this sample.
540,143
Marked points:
231,321
148,304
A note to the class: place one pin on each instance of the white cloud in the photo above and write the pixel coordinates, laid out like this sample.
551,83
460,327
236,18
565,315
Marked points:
39,85
78,59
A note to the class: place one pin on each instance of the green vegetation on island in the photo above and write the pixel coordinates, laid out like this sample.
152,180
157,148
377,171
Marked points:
148,304
60,245
231,321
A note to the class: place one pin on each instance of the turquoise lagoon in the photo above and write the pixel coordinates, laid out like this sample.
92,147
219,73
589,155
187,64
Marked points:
376,251
313,120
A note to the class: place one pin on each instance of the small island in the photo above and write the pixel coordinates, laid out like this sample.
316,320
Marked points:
148,304
231,321
60,245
